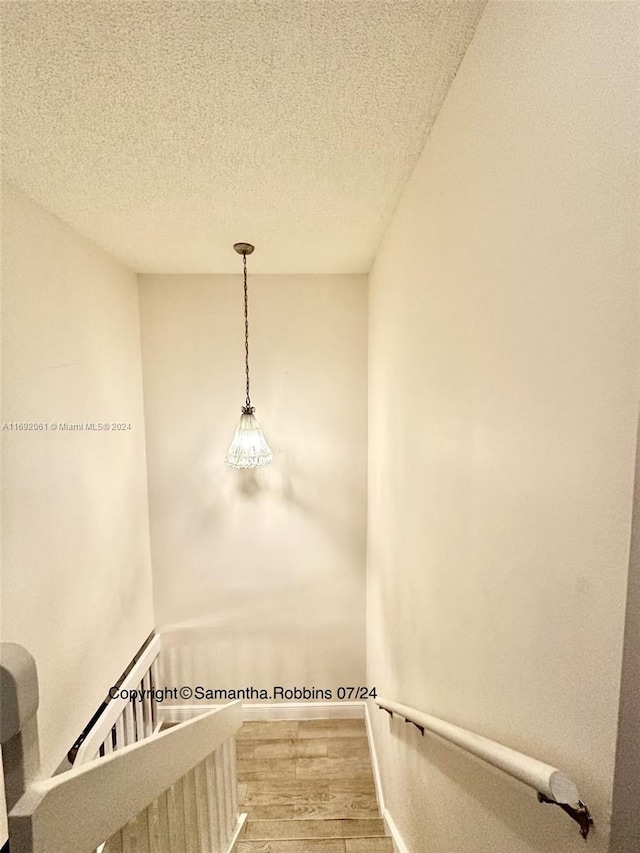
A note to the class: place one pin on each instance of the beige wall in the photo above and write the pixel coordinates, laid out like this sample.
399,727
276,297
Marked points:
625,829
76,575
258,574
4,827
503,403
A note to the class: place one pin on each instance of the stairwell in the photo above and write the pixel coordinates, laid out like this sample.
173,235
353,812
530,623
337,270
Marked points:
307,787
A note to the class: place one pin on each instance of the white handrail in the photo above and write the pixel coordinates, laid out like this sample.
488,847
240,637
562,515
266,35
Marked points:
114,710
75,811
540,776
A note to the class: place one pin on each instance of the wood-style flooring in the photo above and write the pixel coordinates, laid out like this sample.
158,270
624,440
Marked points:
307,787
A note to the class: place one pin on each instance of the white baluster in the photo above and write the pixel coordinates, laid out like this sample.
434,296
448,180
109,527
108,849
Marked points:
146,706
129,724
226,793
138,713
235,811
214,806
129,836
142,829
163,823
176,818
202,808
155,682
121,737
218,765
107,746
190,814
172,820
153,826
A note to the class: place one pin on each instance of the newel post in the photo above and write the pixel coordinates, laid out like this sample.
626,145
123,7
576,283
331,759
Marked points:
19,699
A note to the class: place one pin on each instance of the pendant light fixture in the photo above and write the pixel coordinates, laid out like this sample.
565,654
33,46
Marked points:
249,448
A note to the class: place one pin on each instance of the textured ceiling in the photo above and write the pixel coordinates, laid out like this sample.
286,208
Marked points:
167,131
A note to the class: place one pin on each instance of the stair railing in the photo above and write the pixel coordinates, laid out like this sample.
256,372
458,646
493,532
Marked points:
173,792
122,721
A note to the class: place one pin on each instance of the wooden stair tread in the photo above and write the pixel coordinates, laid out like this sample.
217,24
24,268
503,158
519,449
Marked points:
308,787
324,828
291,747
317,768
303,791
323,845
303,729
347,809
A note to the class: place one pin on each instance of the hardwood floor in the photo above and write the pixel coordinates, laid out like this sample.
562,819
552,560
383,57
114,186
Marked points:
307,787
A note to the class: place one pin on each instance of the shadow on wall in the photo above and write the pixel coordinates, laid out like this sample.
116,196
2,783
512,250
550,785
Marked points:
249,484
271,585
313,488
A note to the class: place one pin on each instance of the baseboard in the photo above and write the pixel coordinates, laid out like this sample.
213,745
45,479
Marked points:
270,711
374,759
389,823
394,832
304,711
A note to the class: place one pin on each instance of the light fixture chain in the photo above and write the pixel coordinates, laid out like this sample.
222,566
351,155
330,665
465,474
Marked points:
246,330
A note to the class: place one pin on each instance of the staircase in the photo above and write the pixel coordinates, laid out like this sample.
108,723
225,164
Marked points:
307,787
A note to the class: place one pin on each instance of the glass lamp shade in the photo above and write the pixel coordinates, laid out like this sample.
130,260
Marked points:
249,448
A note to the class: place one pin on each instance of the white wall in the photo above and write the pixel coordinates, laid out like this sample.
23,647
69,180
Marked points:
76,574
503,404
259,575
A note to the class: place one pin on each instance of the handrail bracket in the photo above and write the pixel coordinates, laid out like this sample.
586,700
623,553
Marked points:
417,725
581,814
